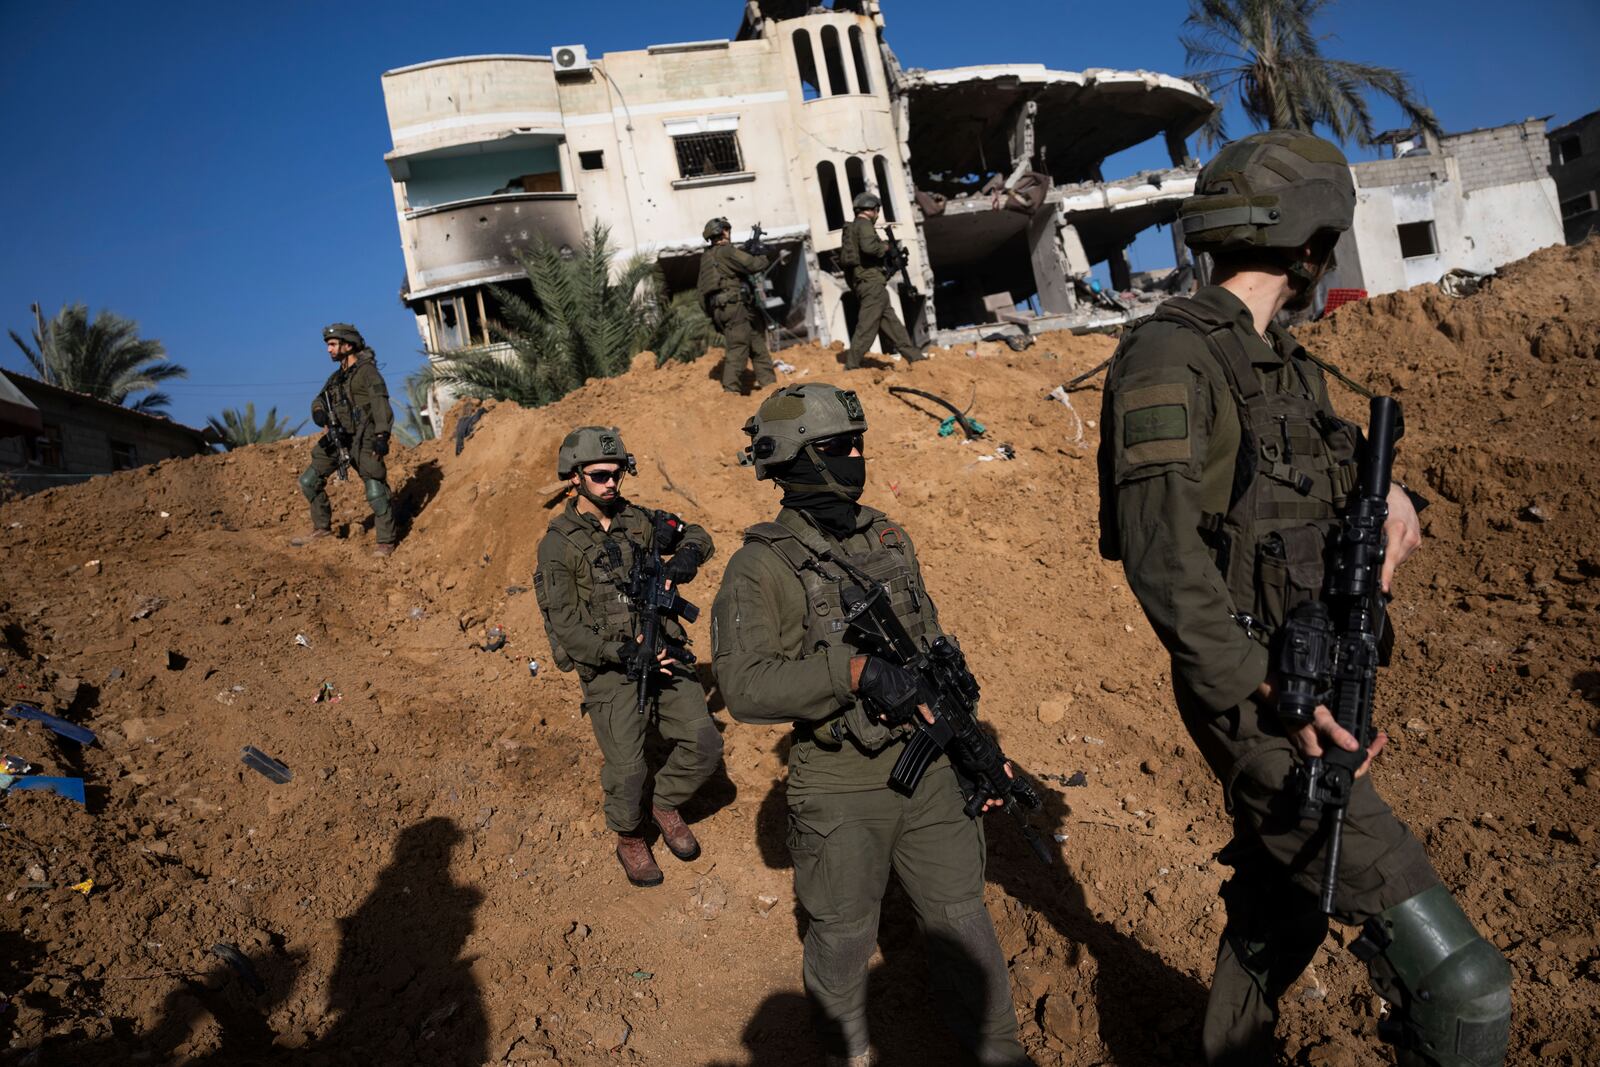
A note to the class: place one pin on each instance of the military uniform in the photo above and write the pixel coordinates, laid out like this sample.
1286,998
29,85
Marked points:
1223,469
783,655
581,588
723,295
861,253
357,401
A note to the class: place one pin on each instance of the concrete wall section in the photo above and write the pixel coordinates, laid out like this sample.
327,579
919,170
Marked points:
1575,166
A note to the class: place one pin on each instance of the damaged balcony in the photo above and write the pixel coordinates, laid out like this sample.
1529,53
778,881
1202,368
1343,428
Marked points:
471,241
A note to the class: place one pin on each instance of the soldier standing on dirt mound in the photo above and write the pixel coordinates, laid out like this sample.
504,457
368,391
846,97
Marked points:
585,560
355,402
1222,470
725,298
861,254
783,655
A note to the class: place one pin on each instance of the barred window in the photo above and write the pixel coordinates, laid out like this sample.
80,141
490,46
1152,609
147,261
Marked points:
700,154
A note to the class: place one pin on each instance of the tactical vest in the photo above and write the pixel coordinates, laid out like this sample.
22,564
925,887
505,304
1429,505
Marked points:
719,283
610,562
811,556
343,409
1294,471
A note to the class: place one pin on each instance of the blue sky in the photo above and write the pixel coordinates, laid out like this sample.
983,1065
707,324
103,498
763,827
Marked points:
218,176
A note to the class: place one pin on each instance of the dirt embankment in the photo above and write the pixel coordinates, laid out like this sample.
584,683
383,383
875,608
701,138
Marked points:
436,885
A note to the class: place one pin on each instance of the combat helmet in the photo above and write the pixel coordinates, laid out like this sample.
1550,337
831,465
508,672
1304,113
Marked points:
1277,189
796,415
865,202
716,228
593,444
343,331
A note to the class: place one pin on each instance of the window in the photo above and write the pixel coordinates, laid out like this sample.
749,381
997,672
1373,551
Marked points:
123,456
1568,149
858,49
880,170
828,186
855,175
1581,204
46,450
838,84
700,154
1416,239
595,160
806,60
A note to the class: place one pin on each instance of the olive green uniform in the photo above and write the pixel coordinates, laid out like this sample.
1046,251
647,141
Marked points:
861,253
723,295
1216,562
581,585
356,400
782,657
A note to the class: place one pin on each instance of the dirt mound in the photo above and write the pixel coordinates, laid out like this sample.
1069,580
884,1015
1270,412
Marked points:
436,885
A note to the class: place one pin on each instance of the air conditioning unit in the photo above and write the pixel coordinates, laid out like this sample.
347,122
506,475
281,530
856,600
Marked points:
570,59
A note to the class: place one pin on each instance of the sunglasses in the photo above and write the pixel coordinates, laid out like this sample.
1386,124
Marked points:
842,445
603,477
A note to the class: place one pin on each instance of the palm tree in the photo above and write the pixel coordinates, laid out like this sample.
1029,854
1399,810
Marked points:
1265,54
238,427
105,359
414,426
684,331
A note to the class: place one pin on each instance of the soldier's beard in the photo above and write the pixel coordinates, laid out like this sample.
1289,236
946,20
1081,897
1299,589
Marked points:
609,505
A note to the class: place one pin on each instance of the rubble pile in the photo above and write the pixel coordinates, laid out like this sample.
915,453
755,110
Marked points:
433,882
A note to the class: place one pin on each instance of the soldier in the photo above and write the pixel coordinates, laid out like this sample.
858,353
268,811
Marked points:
727,300
581,585
861,253
1222,468
783,655
354,404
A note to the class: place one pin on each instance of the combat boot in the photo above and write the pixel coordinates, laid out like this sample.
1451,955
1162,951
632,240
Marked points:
676,833
633,852
317,533
383,551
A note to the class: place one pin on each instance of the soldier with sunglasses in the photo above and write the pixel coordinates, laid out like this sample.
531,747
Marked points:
585,560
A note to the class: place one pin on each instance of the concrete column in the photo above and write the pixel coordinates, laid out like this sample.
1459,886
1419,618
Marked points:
1049,261
1078,264
1121,270
1177,149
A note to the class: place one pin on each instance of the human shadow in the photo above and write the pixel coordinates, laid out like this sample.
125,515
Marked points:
1588,683
418,491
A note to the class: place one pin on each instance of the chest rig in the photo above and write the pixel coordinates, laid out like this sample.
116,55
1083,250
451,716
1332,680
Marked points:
811,555
603,580
1295,467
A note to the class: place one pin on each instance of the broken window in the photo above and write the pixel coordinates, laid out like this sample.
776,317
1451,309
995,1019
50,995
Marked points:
806,60
701,154
1578,205
123,456
595,160
855,175
859,51
833,58
1568,149
46,450
828,186
1416,239
880,170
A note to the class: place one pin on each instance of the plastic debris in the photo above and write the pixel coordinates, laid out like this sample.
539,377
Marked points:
241,965
643,976
70,730
258,760
15,765
782,367
533,667
302,640
84,887
496,639
71,788
326,694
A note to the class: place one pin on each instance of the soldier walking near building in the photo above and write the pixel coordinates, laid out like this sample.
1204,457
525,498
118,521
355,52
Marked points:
585,562
354,409
728,300
862,253
1223,469
784,655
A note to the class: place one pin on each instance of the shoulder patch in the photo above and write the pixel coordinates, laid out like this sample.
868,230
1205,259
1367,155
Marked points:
1153,424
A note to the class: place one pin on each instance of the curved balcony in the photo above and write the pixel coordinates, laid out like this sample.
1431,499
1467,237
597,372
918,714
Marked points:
468,100
475,241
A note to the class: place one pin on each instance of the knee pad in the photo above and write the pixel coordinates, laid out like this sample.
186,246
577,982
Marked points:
377,496
1450,990
311,483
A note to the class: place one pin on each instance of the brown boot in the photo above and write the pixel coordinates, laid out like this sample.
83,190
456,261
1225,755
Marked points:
383,551
676,833
633,852
317,533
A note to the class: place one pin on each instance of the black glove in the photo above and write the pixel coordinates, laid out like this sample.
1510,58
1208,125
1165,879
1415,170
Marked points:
683,566
319,415
380,444
892,689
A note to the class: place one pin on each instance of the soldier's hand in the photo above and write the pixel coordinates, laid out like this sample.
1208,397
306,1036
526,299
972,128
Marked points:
1309,740
890,687
665,661
997,802
683,566
380,444
319,415
1402,534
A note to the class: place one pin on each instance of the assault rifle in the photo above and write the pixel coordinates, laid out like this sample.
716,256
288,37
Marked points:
950,692
1332,647
648,592
896,261
755,285
338,438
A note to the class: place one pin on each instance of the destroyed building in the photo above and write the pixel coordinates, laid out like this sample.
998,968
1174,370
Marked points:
1575,168
991,175
1471,201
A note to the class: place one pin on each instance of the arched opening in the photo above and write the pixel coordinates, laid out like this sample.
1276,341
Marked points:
828,186
806,60
855,176
833,59
880,170
858,49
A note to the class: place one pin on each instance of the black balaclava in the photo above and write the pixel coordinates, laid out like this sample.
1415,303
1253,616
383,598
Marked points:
828,496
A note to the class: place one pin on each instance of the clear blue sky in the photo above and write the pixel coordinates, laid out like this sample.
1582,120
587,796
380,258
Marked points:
218,176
